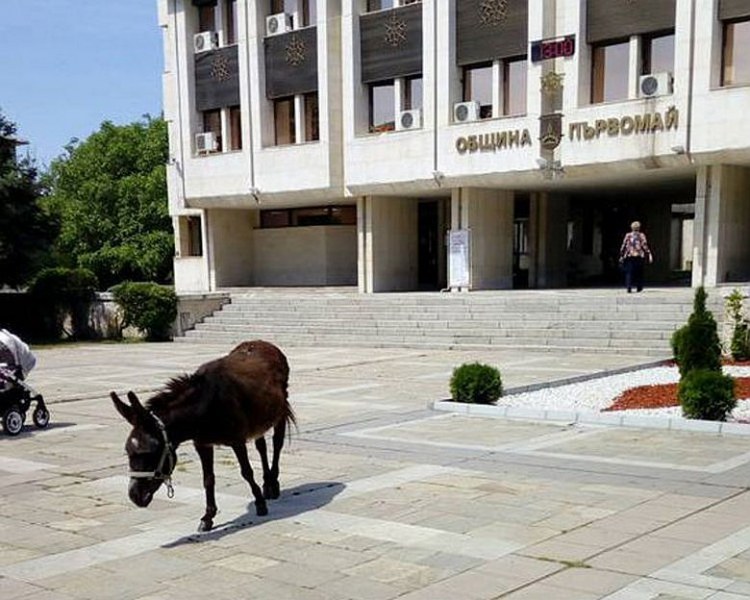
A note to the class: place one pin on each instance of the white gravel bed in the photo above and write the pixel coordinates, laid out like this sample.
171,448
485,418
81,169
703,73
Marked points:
597,394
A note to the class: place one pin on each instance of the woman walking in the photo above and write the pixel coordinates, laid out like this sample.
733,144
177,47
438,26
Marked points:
633,255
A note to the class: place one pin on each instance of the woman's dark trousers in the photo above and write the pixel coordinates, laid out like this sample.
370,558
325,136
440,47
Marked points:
634,273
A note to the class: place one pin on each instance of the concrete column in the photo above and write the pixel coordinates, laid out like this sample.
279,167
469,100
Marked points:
392,226
722,225
552,237
490,219
364,245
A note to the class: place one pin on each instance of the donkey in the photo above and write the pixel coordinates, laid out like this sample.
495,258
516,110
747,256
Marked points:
227,401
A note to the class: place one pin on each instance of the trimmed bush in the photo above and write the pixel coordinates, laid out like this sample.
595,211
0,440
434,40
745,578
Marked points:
707,395
476,383
696,345
148,306
60,292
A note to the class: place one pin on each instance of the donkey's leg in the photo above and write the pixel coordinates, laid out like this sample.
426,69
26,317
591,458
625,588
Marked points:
206,454
240,451
279,433
260,445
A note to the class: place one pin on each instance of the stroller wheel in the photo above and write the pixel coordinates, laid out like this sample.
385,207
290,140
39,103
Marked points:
40,417
13,420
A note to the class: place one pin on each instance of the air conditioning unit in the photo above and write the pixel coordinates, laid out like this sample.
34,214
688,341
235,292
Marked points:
465,112
205,41
655,84
409,119
206,142
278,23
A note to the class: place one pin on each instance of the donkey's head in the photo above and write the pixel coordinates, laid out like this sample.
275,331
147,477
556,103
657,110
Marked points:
151,456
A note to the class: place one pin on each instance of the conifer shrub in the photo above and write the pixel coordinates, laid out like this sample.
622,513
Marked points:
706,394
148,306
696,345
476,383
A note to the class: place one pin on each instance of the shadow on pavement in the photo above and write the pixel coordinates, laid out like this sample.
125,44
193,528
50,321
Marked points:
294,501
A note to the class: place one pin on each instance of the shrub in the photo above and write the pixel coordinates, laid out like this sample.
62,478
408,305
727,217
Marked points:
739,346
60,292
696,345
706,395
148,306
476,383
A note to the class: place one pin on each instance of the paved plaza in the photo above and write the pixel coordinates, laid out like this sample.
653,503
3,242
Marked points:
381,496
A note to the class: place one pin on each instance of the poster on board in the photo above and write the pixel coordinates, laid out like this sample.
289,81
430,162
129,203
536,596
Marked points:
458,258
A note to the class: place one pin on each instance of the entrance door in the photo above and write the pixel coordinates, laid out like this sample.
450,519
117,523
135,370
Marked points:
427,261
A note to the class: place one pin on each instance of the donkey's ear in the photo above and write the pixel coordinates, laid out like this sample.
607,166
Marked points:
128,412
136,404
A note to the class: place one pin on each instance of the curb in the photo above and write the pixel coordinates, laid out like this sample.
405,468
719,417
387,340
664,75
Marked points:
610,419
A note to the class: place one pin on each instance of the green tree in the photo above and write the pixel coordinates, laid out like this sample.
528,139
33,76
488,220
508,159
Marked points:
26,229
110,193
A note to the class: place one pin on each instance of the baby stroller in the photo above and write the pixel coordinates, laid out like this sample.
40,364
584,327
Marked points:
16,398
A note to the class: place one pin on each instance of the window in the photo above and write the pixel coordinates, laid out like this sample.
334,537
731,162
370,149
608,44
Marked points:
306,10
735,58
609,72
477,86
235,128
412,93
382,107
514,86
658,54
230,22
312,117
373,5
206,18
283,114
212,123
309,217
195,237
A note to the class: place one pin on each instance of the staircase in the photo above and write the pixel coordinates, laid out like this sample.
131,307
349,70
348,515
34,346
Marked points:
605,320
573,320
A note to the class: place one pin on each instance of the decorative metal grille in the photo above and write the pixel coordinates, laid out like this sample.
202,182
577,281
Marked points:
295,52
395,31
220,68
493,12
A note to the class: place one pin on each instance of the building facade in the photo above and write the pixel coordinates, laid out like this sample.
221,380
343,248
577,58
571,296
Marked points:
463,144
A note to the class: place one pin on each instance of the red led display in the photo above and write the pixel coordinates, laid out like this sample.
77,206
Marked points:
558,48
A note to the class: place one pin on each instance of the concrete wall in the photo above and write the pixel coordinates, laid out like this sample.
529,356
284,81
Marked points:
321,255
230,247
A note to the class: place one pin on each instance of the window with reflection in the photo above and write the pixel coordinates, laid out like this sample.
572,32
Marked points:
382,106
283,114
658,53
373,5
412,93
312,117
235,128
514,86
308,216
230,22
609,72
306,10
477,86
194,245
212,124
736,53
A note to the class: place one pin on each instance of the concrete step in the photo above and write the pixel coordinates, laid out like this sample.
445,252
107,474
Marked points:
573,320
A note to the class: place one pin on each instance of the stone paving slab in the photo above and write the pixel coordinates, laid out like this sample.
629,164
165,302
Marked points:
382,498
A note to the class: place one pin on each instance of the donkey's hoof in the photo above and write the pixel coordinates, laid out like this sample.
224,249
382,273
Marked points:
271,490
261,509
205,525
